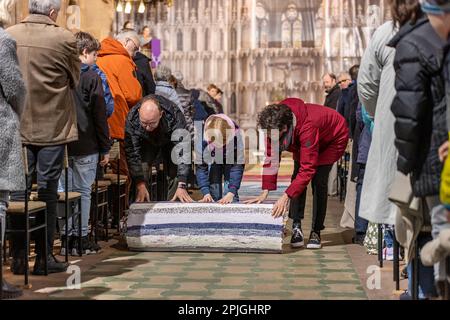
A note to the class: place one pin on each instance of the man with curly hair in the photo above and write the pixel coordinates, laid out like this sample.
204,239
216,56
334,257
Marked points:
317,136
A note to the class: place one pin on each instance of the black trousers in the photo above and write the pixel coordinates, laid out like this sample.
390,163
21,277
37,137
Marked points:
162,155
47,163
320,198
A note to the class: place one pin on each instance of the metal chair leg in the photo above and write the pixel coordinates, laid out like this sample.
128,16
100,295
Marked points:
45,244
66,210
396,263
95,222
80,227
27,239
415,272
380,245
1,259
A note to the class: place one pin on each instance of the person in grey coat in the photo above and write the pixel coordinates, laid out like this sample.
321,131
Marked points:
376,89
12,98
164,88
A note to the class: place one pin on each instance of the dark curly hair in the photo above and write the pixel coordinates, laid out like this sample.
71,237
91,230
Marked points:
275,116
404,11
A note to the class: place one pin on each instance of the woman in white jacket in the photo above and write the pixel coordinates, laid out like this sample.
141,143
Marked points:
376,89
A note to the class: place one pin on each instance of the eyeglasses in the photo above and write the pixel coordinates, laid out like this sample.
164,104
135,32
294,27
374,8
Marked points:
342,81
149,125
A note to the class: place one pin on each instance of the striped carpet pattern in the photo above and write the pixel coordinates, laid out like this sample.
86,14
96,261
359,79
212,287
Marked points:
203,228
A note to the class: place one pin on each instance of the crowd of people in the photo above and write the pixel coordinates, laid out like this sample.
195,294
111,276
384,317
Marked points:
395,103
62,91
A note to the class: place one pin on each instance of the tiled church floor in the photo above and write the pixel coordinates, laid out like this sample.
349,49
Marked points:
338,271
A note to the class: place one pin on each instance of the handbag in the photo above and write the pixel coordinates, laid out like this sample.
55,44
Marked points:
402,194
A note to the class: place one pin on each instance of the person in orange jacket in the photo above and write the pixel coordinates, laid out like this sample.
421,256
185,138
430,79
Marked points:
115,59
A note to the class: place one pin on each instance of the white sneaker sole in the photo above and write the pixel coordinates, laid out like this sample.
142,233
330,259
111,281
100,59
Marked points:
314,246
298,244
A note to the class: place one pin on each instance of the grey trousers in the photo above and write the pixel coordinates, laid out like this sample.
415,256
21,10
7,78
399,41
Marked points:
439,222
4,196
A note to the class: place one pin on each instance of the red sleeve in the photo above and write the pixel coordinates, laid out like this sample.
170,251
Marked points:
271,167
309,157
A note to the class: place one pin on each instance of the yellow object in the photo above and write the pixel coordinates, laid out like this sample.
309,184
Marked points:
445,184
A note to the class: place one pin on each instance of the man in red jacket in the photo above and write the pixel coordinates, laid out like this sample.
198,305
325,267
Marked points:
317,136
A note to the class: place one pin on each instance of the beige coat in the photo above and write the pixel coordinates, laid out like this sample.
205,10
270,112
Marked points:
51,69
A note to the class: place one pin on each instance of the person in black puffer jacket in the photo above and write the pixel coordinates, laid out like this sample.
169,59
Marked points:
144,74
420,123
419,106
149,131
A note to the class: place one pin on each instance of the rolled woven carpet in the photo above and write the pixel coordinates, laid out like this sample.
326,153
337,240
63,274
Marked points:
203,228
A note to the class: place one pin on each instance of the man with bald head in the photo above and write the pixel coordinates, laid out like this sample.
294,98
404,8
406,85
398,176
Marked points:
149,130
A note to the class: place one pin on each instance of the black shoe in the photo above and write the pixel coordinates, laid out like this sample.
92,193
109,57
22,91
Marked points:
9,291
297,239
18,266
359,239
314,241
62,252
54,266
87,247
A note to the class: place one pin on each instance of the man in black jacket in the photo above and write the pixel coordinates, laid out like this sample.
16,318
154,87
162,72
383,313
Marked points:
156,128
144,74
332,89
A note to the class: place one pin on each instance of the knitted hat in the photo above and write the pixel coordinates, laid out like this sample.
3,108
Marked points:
435,7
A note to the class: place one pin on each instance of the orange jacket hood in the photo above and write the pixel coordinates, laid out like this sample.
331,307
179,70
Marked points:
111,46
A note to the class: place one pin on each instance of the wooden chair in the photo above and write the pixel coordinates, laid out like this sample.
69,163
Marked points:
71,201
118,188
30,210
100,192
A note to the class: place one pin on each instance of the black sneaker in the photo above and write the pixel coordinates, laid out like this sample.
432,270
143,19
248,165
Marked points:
62,252
86,247
54,266
95,247
18,265
359,239
314,241
297,239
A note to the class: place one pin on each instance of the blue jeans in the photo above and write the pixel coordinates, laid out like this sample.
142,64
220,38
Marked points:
426,274
216,173
82,172
389,236
361,224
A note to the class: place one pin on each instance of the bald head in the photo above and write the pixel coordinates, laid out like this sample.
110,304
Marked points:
150,115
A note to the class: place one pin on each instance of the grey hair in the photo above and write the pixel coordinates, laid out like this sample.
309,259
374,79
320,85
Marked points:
6,11
179,76
163,73
123,36
43,6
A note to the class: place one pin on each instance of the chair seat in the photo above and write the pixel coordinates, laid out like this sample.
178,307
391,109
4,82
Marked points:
72,196
113,177
19,207
103,183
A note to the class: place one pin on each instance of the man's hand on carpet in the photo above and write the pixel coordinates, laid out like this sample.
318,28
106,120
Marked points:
183,196
207,199
142,193
260,199
281,206
227,199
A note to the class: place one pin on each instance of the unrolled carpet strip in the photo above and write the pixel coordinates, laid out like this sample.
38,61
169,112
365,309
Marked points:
203,227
